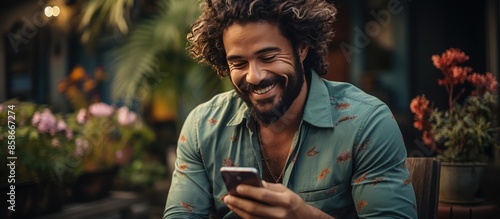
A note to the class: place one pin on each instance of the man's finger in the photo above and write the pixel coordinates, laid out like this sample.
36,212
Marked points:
276,187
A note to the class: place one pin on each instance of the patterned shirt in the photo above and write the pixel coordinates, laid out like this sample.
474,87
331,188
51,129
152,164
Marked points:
348,157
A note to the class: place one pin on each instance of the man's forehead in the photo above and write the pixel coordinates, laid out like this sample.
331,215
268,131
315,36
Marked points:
248,31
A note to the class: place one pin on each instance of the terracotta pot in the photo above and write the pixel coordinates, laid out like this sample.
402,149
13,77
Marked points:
459,182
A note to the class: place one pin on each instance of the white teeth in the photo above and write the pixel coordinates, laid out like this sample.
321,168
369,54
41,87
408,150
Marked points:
264,90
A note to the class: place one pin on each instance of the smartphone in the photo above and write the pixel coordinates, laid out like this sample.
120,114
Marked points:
233,176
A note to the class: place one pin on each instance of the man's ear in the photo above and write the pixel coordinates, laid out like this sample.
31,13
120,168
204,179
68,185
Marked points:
303,49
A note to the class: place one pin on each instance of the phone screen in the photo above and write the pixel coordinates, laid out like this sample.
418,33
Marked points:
233,176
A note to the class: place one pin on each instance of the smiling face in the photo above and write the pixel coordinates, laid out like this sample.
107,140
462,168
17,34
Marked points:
264,68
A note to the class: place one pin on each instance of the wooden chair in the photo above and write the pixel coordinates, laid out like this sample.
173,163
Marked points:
424,173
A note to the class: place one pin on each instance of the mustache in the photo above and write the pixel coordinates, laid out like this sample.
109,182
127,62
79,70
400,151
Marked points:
247,87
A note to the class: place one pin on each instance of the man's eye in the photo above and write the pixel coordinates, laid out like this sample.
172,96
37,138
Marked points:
268,58
238,65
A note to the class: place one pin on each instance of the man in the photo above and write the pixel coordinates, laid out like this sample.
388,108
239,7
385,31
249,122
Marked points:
324,149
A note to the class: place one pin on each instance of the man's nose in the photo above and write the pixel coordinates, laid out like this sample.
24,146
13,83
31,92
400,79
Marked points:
255,73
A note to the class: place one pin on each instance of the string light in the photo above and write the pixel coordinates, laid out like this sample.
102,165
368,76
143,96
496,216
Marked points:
49,11
56,11
52,11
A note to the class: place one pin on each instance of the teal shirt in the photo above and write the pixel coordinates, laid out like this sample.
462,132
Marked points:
348,157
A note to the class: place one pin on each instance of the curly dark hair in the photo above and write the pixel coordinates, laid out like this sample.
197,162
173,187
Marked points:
303,22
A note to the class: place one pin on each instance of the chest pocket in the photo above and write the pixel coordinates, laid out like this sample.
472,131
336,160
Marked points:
335,201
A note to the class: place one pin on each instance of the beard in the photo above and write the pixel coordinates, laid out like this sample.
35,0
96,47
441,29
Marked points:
290,92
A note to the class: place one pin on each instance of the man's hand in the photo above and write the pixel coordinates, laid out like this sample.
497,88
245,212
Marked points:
272,201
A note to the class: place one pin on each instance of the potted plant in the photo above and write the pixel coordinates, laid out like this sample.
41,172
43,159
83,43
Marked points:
461,133
106,139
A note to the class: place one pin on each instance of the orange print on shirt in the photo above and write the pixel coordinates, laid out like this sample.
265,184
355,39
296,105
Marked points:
364,145
182,139
361,205
344,156
361,178
345,118
323,173
228,162
340,106
233,139
332,191
212,121
312,152
375,181
182,166
407,181
187,206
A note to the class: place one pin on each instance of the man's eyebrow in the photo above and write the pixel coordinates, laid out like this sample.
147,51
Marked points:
268,49
264,50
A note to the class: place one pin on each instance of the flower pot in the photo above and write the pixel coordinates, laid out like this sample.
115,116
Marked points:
33,199
92,186
459,182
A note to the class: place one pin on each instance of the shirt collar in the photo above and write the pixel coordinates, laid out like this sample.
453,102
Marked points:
241,113
317,111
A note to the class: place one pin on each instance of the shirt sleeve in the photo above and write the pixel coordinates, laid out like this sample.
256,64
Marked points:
381,186
190,191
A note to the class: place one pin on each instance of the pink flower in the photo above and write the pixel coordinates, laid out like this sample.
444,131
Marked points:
119,154
46,123
81,146
125,116
69,134
55,142
101,110
61,125
36,119
81,117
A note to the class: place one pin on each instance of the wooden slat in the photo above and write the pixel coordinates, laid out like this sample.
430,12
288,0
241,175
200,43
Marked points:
424,172
118,203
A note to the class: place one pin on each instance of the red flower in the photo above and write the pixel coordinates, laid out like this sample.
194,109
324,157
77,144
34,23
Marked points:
460,74
420,107
427,138
483,83
449,58
418,125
